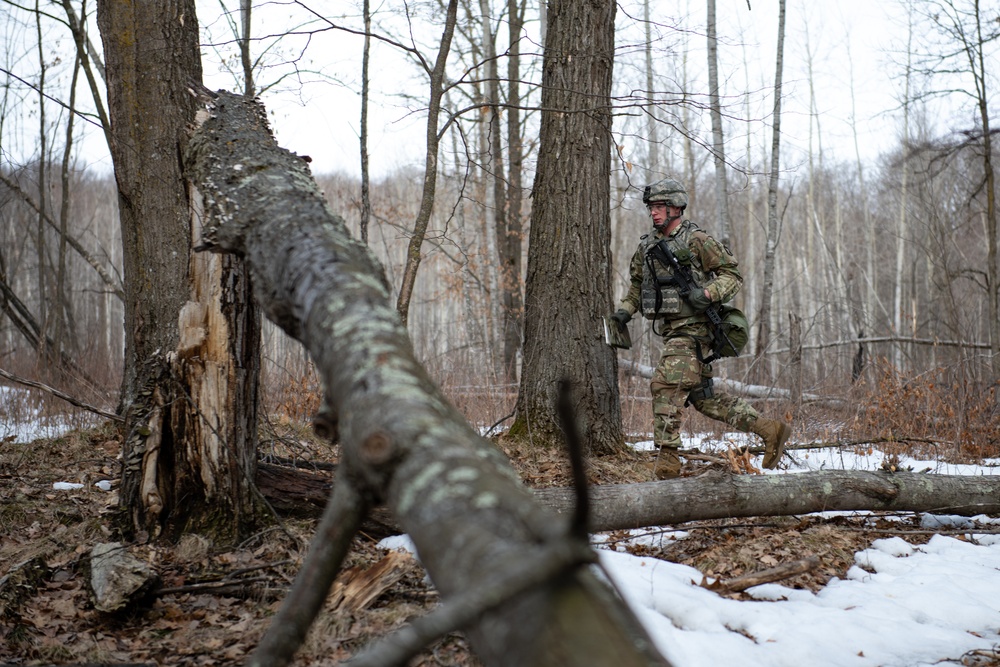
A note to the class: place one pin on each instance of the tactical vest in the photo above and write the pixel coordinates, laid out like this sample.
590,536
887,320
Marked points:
660,298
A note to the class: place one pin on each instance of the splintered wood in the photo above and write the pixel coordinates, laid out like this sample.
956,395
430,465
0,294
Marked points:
356,587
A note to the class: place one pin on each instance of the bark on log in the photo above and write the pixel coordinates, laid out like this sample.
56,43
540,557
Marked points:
717,496
714,496
403,443
303,493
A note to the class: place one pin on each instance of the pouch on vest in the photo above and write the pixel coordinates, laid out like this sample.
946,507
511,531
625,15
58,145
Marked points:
658,302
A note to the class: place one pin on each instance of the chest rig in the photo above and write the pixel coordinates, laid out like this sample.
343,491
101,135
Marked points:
659,295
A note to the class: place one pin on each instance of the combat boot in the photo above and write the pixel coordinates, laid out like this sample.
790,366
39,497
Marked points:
774,433
666,465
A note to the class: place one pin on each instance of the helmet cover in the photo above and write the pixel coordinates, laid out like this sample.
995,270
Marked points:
668,191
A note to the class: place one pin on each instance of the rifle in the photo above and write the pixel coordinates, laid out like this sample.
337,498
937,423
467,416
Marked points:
685,283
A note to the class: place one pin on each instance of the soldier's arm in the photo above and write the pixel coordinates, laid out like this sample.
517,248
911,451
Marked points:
631,302
716,258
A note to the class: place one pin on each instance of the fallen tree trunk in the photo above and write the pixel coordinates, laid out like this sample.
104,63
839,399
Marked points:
741,388
715,496
472,522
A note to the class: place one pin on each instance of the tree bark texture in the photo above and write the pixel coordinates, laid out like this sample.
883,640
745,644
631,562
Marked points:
568,284
189,390
403,443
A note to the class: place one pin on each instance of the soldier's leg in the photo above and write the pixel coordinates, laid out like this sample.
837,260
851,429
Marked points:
725,408
741,415
676,374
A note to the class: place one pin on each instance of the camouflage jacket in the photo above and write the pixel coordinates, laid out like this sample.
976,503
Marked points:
712,265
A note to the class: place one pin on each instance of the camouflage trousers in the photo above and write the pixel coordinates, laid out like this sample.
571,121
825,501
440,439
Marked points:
678,374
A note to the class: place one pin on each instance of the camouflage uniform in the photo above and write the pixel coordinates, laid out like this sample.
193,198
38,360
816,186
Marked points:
680,375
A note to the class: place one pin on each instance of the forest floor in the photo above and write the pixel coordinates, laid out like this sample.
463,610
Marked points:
214,604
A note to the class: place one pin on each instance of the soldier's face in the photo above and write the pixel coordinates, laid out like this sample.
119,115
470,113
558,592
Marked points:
663,214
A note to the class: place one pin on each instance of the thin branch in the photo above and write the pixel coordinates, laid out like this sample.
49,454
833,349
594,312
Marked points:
76,245
743,582
463,608
342,517
58,394
85,116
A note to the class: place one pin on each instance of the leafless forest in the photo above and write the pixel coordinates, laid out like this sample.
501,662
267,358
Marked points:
883,269
140,204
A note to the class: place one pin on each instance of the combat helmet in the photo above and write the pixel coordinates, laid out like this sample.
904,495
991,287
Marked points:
668,191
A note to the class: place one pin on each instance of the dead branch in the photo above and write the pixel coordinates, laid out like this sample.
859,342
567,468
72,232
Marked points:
58,394
741,583
460,610
211,586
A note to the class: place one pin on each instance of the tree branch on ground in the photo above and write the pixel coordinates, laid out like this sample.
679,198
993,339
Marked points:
58,394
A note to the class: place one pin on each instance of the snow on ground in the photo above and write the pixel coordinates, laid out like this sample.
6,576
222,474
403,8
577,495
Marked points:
22,422
899,606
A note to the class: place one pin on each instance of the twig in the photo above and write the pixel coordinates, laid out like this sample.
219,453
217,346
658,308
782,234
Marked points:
342,517
255,568
66,397
210,586
460,610
888,531
298,463
489,431
741,583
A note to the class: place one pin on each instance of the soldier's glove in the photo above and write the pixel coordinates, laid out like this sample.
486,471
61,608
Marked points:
622,317
699,301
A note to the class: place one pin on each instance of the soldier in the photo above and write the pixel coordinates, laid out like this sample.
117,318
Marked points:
683,374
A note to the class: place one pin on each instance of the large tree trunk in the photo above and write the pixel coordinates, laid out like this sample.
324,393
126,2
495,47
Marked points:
189,390
402,442
568,286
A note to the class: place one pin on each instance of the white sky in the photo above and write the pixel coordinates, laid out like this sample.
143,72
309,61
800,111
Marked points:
849,40
899,606
317,111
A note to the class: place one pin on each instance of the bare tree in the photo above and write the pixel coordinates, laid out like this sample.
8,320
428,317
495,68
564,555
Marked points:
718,142
953,57
436,75
773,230
511,236
366,204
